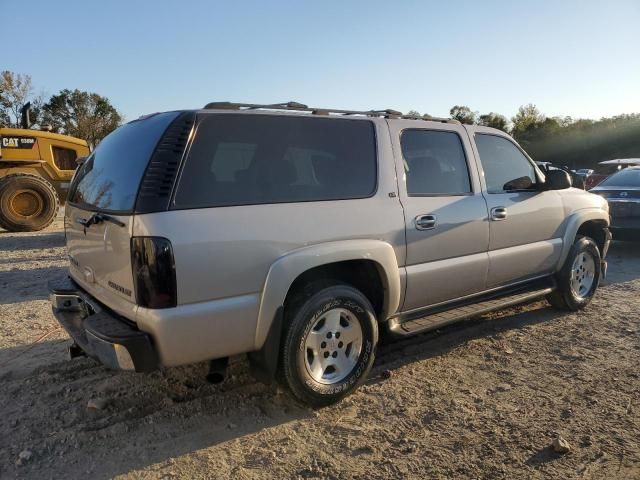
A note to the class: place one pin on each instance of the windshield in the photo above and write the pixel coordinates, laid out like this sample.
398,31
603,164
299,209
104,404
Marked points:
629,177
110,177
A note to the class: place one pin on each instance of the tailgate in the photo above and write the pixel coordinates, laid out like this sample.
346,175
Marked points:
100,259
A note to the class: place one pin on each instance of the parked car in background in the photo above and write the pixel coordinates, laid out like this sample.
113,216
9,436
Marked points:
295,234
584,172
608,167
622,191
577,180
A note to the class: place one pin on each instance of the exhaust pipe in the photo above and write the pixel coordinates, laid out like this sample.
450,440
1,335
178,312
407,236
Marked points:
25,116
74,351
217,370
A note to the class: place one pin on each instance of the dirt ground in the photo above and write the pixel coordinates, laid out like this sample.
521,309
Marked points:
482,399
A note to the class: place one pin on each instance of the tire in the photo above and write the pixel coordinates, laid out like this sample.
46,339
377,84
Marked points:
28,203
318,367
579,277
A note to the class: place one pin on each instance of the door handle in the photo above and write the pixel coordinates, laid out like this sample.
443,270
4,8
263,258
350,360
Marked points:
425,222
498,213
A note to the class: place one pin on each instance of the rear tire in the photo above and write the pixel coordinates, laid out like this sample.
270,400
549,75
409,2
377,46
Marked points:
329,343
579,277
28,203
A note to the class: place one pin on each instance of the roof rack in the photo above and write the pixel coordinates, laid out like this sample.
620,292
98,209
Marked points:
300,107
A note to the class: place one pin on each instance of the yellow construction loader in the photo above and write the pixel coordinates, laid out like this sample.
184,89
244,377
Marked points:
36,168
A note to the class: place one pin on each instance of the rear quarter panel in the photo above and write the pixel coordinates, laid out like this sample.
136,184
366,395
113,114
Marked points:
225,254
227,251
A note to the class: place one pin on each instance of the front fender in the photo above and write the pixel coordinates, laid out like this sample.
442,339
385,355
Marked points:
288,267
573,224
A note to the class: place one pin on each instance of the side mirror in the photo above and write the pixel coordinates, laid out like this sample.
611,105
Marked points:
520,183
577,181
80,160
557,180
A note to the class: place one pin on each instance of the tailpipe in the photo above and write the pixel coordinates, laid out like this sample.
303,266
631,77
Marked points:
217,370
74,351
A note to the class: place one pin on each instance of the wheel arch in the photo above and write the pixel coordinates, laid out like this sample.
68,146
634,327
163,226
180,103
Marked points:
592,222
311,263
349,260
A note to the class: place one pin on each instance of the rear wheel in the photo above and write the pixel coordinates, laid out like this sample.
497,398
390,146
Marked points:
27,203
329,344
579,277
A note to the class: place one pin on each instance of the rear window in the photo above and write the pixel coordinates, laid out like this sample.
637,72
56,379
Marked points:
110,177
629,177
255,159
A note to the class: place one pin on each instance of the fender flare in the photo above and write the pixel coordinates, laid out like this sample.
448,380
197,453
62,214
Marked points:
574,222
287,268
284,271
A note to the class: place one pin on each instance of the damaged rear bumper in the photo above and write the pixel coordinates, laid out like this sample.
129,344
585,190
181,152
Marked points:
103,335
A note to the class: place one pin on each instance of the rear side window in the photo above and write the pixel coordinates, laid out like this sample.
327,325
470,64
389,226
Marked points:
64,158
110,177
255,159
435,163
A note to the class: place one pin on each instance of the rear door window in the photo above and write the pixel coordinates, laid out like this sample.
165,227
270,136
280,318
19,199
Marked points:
110,178
435,163
256,159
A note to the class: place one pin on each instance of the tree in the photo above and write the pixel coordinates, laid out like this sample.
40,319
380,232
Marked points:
528,117
493,120
463,114
15,91
81,114
417,114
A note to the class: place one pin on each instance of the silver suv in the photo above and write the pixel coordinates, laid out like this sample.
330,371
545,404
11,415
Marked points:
296,234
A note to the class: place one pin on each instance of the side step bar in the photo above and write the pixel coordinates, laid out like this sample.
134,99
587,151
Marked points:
408,327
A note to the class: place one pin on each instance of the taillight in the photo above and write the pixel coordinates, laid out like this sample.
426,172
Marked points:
154,272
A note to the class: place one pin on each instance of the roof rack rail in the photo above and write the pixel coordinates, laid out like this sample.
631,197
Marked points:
301,107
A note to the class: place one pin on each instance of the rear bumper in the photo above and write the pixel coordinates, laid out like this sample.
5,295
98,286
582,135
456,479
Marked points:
103,335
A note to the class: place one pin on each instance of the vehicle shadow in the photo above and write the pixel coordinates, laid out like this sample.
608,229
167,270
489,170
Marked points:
30,241
151,418
393,354
623,262
25,285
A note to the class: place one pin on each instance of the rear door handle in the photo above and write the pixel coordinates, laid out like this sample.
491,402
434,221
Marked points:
498,213
425,222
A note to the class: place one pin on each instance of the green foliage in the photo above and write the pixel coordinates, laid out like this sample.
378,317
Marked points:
16,90
415,113
463,114
527,118
493,120
81,114
582,143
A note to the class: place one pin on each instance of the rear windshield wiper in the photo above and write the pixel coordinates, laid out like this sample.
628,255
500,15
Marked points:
97,218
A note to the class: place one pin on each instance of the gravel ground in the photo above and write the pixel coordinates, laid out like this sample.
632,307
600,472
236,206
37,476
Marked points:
481,399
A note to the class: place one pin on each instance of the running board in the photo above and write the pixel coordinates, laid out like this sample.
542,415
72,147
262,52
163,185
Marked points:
400,328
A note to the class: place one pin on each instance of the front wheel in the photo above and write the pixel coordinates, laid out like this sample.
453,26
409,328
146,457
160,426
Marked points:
579,277
329,344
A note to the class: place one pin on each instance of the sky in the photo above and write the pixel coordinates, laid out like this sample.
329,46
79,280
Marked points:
569,57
